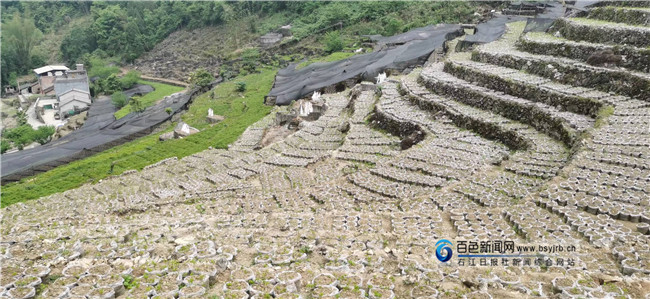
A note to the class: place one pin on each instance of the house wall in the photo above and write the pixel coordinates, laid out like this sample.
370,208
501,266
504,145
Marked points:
74,98
64,108
74,95
46,81
35,89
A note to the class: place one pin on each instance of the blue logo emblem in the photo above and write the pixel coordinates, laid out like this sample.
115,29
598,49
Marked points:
443,245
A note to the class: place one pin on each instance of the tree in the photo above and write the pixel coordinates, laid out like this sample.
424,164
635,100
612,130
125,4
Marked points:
130,79
111,84
21,35
43,134
13,79
333,41
21,117
118,99
20,136
241,86
136,105
79,41
109,28
4,146
392,27
250,57
201,78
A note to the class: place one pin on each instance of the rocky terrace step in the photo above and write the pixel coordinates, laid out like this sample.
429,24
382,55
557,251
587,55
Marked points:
629,57
513,82
567,71
485,123
627,15
581,100
605,32
562,125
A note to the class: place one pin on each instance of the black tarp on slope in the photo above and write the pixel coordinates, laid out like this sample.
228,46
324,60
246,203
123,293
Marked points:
394,52
494,28
414,47
543,21
553,10
488,31
99,132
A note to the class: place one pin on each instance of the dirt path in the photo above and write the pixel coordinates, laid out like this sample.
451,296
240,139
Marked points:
156,79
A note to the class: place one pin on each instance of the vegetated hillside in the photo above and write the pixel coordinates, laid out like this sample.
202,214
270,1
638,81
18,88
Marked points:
234,43
222,49
203,34
186,50
241,109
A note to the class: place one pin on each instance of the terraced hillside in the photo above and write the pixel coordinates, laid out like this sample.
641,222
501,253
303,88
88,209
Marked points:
511,144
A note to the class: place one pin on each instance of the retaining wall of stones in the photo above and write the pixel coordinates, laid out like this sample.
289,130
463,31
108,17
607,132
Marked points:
604,79
527,114
486,129
635,58
635,36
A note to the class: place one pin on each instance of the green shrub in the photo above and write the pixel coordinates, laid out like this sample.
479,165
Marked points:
111,84
226,73
201,78
160,91
21,117
250,57
130,79
25,135
169,110
4,146
136,105
392,27
119,99
333,42
43,134
97,67
240,86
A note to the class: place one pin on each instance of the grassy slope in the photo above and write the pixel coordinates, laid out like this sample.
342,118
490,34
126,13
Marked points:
160,91
148,150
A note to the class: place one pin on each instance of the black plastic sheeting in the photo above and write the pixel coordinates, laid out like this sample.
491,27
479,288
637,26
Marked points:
538,25
494,28
553,10
412,48
396,52
100,132
491,30
543,21
139,90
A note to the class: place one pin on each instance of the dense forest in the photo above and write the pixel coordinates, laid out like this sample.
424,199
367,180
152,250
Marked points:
36,33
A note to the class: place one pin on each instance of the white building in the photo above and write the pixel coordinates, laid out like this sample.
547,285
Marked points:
73,98
72,91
